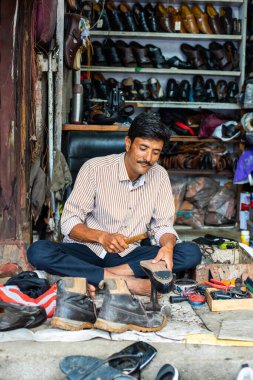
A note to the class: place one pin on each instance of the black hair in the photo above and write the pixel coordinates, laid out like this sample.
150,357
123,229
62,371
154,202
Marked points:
149,125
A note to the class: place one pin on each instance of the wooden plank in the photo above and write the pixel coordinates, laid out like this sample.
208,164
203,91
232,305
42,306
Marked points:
237,330
102,128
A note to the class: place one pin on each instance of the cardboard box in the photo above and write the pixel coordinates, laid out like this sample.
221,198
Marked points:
230,304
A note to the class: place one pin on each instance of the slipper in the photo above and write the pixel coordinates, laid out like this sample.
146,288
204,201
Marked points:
79,367
161,278
129,360
168,372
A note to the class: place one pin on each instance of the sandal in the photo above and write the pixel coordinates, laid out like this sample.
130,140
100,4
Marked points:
131,359
168,372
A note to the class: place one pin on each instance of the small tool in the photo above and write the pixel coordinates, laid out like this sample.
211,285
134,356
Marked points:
213,283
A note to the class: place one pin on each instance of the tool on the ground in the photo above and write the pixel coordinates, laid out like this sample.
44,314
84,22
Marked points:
192,297
213,283
228,245
230,294
149,234
184,284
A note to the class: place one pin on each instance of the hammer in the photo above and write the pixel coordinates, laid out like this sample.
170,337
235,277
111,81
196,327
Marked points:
149,234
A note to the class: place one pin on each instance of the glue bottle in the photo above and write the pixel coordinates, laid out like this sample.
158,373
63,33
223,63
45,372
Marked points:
245,237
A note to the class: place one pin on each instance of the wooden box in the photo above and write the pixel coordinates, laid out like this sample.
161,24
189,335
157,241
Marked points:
226,305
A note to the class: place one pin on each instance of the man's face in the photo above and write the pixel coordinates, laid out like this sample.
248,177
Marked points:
141,154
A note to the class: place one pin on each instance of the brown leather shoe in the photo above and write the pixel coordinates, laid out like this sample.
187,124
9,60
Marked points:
141,54
226,18
125,53
73,40
178,24
188,18
202,20
164,17
194,56
214,19
121,311
220,56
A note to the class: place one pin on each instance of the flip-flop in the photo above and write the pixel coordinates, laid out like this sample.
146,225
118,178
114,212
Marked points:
79,367
168,372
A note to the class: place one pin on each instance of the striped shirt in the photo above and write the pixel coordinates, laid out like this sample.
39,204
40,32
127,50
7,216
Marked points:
104,198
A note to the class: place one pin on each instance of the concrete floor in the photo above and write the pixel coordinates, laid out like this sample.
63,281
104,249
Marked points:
33,360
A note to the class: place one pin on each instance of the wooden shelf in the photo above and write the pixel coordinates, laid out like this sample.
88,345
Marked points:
115,128
101,128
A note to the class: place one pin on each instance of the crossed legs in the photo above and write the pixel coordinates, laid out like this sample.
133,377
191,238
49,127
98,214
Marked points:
77,260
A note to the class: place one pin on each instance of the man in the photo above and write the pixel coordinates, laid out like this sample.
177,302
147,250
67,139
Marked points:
115,197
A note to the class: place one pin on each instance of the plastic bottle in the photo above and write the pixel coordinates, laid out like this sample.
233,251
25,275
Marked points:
245,237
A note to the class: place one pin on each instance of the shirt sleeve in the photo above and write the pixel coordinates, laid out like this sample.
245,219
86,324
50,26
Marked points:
164,213
81,200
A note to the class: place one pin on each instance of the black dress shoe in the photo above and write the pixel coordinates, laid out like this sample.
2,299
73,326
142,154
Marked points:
114,16
155,54
139,17
198,88
221,89
151,18
74,311
184,91
98,58
232,92
110,53
178,63
210,91
127,17
172,90
18,316
100,85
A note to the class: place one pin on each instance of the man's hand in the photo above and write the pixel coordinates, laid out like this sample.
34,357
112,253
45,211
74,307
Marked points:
113,243
165,254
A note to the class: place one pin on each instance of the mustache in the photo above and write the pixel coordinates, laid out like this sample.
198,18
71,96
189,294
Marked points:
144,162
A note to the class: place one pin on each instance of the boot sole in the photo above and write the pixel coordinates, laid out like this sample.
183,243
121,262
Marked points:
68,324
102,324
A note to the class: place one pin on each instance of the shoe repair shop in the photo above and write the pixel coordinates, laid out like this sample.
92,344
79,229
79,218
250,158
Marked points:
76,73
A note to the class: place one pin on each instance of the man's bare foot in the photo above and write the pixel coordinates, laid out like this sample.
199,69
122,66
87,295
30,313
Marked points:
139,286
92,291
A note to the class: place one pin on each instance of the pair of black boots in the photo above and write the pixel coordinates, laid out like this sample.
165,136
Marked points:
120,311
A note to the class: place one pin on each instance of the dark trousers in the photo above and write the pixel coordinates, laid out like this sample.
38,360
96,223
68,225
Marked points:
77,260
